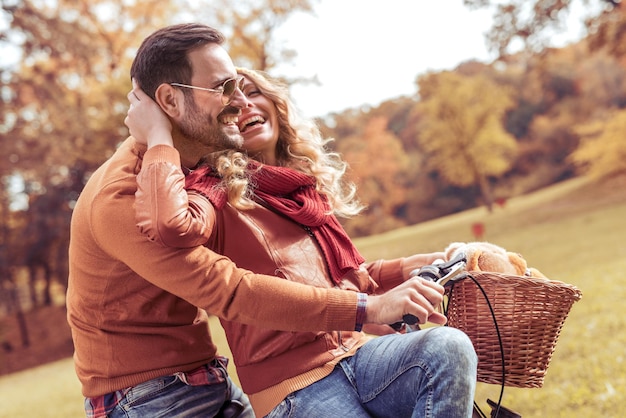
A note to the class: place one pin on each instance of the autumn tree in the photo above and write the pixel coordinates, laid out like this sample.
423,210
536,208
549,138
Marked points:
533,24
378,166
603,86
602,81
461,129
66,98
602,152
64,102
555,93
250,27
63,106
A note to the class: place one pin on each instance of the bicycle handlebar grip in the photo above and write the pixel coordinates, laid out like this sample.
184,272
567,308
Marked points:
429,272
410,319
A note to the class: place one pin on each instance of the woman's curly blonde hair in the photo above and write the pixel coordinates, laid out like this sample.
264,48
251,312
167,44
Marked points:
300,146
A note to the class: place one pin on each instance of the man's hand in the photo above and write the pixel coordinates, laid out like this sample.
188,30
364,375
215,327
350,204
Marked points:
418,297
145,120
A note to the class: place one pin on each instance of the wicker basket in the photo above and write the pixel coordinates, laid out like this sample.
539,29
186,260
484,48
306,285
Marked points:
530,313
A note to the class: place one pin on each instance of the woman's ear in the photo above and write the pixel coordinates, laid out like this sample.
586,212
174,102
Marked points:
170,100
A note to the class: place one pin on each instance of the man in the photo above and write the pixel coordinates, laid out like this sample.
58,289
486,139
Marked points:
136,309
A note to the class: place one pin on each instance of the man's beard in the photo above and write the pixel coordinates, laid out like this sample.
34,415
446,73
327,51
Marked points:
202,128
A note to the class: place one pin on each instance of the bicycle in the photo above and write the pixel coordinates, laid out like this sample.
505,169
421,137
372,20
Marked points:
452,275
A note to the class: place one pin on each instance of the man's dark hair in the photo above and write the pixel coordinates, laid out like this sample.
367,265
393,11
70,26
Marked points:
163,56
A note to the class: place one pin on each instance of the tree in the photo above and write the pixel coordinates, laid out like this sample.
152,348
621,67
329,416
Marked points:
602,152
63,105
608,31
602,81
69,89
533,23
378,166
63,108
461,129
250,28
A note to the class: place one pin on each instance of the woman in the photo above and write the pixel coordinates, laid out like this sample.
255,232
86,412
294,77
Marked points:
273,210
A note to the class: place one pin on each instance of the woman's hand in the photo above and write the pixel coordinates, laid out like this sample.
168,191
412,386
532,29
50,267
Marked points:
418,297
145,120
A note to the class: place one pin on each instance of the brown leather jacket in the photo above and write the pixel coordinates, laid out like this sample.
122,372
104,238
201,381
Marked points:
267,243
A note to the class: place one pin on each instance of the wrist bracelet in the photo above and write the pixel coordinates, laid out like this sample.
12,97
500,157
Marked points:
361,304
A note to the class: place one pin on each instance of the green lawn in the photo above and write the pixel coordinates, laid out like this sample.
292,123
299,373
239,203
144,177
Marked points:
573,232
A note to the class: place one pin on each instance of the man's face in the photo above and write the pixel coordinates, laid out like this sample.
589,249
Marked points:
206,120
201,126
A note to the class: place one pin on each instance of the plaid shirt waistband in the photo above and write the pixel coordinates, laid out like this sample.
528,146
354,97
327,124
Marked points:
207,374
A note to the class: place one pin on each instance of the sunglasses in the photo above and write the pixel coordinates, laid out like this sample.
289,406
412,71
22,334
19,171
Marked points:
227,90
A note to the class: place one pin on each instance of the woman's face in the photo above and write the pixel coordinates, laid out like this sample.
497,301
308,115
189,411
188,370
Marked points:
258,125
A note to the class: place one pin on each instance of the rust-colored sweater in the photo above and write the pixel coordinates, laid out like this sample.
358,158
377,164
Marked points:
133,304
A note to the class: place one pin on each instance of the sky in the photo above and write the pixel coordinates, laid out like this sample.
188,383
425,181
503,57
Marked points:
364,52
368,51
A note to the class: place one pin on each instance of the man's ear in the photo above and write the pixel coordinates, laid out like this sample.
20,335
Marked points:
170,100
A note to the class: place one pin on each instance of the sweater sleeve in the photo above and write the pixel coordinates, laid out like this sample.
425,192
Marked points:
109,252
211,281
165,211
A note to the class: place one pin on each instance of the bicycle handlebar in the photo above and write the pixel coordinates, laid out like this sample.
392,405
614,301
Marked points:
444,273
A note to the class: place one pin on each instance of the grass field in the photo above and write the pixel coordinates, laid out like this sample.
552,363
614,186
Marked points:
573,232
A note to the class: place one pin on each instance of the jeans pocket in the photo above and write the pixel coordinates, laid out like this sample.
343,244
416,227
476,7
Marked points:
170,396
146,391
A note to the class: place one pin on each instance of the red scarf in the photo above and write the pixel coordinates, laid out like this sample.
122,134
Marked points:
292,194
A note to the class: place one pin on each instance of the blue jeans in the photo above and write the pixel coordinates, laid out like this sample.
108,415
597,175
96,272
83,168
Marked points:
422,374
169,396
